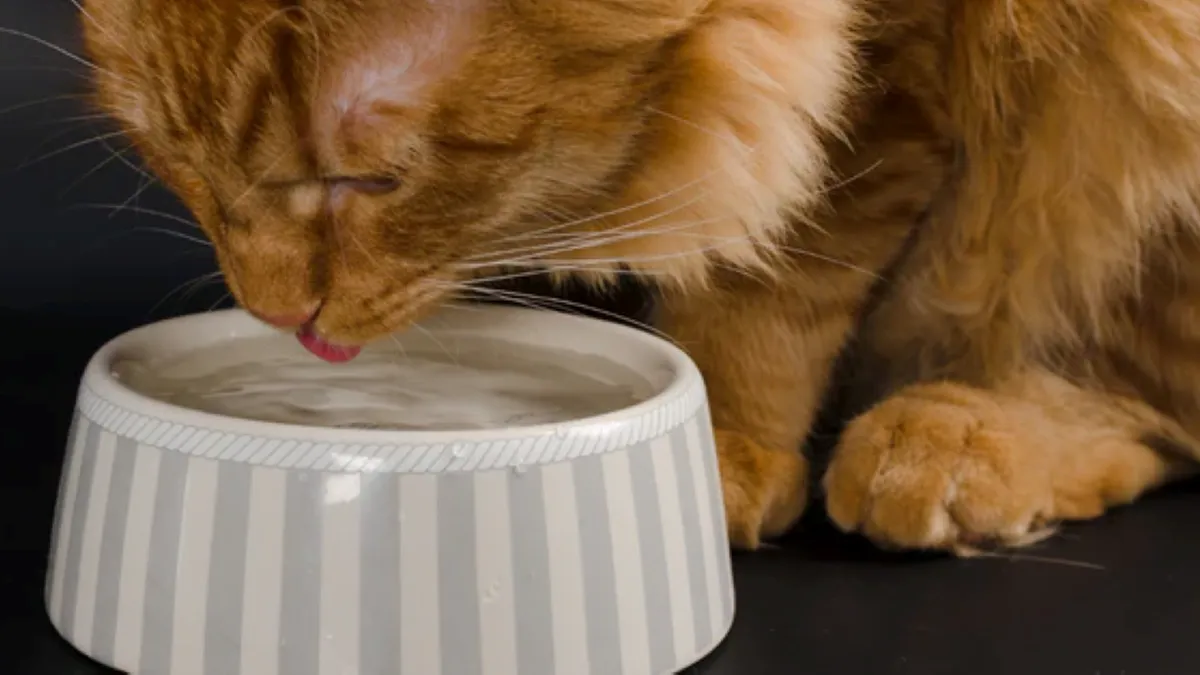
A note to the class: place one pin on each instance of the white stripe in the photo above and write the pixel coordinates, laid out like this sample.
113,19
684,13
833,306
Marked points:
135,558
627,563
261,604
195,554
420,618
678,580
567,603
93,536
494,573
707,527
340,553
66,516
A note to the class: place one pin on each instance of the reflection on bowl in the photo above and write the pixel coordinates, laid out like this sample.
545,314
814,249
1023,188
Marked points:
193,543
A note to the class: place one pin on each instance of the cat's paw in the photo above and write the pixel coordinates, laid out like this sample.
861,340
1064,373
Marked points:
944,467
765,489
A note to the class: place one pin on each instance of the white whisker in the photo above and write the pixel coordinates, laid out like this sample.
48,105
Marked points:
173,233
66,130
55,48
138,209
432,336
40,101
146,175
189,284
400,345
76,118
223,298
530,300
583,243
539,270
112,156
578,241
851,178
725,241
624,209
79,144
207,279
726,138
43,69
132,199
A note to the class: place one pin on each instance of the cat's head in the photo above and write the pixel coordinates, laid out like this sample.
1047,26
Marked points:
355,160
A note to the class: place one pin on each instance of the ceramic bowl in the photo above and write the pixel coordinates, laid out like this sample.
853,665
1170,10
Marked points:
187,543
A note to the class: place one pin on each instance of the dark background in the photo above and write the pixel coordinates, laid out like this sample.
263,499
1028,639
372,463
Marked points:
1117,597
61,247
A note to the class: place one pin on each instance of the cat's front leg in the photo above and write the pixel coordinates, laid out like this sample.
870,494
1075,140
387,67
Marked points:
766,349
950,466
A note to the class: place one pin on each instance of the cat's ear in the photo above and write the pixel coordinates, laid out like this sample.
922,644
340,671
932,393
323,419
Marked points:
609,24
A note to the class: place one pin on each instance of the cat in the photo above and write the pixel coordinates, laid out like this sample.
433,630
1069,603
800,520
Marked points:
976,219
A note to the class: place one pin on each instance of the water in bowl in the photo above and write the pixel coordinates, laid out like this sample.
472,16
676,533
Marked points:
454,384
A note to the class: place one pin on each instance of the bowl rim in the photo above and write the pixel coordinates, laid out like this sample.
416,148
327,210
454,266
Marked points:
685,385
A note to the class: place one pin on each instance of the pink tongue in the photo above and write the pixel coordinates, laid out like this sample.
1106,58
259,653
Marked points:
324,350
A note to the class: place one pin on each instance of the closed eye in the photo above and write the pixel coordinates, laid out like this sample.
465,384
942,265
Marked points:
370,185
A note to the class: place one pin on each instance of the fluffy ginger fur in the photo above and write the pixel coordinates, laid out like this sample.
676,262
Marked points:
984,209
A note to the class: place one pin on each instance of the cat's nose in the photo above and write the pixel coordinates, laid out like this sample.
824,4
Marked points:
285,320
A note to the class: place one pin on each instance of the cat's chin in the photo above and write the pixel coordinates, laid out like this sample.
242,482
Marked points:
322,348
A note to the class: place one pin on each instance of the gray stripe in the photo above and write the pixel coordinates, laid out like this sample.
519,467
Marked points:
654,559
531,573
599,575
300,623
458,592
721,540
227,571
697,566
379,623
83,494
112,551
56,556
158,613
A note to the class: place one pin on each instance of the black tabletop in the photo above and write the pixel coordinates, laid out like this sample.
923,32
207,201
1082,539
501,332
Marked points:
1116,597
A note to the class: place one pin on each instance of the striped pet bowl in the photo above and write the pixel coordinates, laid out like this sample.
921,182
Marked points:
193,544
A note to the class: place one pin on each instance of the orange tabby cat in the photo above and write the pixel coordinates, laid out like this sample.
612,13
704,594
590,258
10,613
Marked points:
996,199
